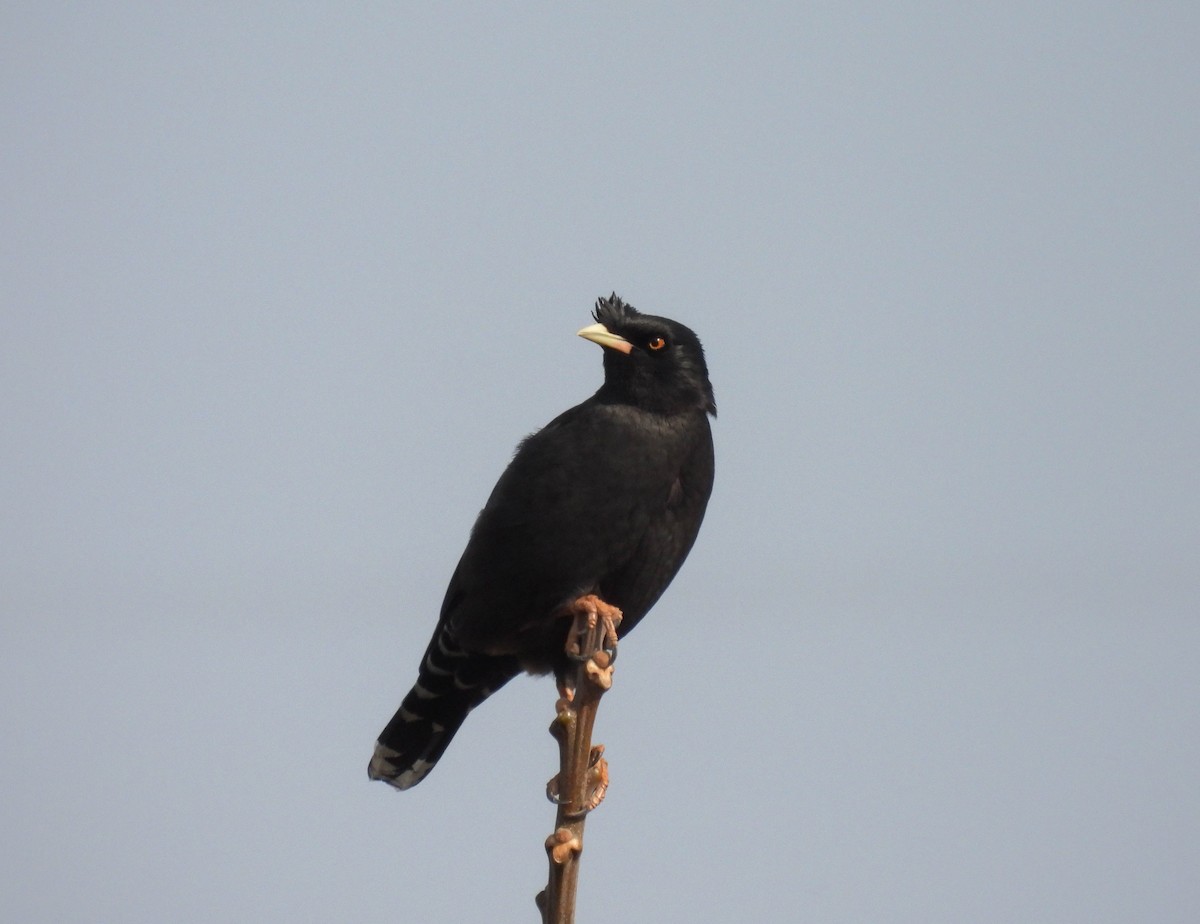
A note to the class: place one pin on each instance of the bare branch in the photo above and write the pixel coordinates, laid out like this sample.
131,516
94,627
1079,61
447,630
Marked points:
582,779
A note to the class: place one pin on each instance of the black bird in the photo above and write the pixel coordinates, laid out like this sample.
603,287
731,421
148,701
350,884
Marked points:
606,499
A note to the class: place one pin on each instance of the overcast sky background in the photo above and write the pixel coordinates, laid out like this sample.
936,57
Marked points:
282,287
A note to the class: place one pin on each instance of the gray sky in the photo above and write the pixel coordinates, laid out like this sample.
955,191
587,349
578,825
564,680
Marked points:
284,285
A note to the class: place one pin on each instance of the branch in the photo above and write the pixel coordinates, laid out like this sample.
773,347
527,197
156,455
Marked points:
583,772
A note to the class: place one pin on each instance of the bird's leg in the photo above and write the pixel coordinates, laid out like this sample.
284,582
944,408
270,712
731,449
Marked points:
593,628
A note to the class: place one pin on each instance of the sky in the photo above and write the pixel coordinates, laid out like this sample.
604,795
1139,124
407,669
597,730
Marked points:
282,286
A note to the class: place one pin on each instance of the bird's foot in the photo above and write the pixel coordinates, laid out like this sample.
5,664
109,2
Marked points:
593,628
595,781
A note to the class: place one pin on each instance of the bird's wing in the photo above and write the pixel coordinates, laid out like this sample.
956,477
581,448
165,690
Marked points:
572,506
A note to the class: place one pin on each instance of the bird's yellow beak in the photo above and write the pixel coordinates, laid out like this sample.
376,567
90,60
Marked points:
600,334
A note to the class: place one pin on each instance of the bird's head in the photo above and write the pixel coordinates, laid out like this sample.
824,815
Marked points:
651,362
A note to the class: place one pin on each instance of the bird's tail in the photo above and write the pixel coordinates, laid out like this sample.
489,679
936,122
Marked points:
451,683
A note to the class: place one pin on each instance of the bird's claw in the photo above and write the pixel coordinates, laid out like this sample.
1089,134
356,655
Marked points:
593,628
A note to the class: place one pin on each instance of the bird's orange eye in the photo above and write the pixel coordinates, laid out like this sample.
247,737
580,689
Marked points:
657,343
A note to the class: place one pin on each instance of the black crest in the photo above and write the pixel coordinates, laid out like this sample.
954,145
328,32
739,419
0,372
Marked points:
614,313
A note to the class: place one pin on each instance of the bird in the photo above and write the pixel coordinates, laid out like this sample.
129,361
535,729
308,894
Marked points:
606,500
